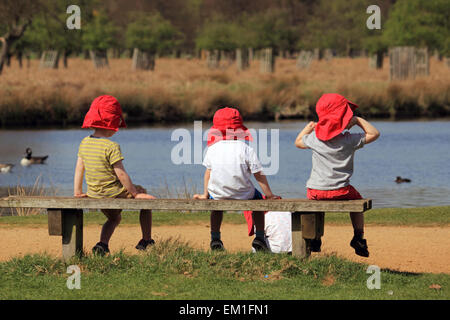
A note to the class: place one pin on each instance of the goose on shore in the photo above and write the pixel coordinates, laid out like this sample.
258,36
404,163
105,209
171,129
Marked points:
29,159
401,180
5,167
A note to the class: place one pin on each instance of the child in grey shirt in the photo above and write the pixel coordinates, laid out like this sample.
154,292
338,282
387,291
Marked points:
332,158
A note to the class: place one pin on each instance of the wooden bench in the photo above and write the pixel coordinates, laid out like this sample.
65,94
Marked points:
65,214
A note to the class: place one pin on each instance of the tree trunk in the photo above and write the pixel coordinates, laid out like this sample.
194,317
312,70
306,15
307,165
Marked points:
8,59
19,58
3,53
66,54
14,34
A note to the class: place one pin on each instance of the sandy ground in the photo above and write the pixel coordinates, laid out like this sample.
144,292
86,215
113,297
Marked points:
412,249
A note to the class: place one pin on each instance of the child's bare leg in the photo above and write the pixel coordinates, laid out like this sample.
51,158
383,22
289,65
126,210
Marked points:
216,220
357,222
145,218
110,225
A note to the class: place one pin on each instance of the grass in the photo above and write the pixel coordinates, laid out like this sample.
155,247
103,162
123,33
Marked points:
422,217
173,270
183,90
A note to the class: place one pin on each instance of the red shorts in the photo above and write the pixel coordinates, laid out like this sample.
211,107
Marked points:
345,193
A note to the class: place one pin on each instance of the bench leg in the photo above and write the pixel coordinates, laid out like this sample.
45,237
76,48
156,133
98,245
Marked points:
313,225
72,233
300,247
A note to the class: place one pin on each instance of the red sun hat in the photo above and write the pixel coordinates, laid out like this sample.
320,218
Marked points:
228,125
335,112
105,113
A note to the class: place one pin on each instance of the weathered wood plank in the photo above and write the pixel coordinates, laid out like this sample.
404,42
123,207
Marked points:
72,233
291,205
54,222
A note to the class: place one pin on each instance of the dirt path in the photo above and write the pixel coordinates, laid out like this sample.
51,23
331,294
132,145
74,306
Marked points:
412,249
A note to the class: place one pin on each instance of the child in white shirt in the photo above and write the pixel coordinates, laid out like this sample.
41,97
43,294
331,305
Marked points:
230,163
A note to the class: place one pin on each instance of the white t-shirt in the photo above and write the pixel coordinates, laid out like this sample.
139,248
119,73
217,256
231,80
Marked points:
232,163
277,227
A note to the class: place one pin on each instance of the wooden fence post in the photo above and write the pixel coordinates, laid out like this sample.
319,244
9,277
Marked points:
242,59
49,59
304,59
142,60
408,62
267,61
213,59
100,58
328,54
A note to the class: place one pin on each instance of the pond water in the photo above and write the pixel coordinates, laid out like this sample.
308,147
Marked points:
417,150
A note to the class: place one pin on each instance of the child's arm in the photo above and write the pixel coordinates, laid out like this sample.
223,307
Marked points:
264,184
306,130
78,179
372,133
204,196
126,182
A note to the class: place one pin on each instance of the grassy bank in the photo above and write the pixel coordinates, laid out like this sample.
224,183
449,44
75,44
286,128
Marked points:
422,217
184,90
173,270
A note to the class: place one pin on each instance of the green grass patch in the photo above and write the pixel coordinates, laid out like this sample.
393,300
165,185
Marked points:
173,270
426,216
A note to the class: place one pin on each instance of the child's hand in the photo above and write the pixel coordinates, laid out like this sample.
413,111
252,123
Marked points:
144,196
311,125
272,197
200,197
80,195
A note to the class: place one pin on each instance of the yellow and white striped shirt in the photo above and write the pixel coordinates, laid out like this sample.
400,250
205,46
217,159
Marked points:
99,155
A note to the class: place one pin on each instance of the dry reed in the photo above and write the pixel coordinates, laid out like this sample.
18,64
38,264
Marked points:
182,89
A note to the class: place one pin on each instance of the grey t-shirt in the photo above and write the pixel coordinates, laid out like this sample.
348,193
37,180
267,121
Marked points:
332,160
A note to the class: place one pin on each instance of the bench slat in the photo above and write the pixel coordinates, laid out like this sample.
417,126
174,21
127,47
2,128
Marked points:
302,205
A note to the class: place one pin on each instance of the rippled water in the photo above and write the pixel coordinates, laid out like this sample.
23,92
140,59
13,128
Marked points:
416,150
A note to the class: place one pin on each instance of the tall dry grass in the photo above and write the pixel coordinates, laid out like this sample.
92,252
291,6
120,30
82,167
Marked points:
181,89
37,189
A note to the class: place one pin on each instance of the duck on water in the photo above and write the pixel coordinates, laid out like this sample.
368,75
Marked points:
29,159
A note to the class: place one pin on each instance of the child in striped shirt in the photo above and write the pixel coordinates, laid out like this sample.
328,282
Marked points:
101,161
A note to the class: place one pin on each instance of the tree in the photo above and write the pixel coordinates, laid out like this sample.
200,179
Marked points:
217,34
271,29
15,16
99,34
420,23
337,24
152,33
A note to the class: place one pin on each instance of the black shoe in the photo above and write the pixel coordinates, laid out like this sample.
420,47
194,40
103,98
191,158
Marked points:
100,249
143,244
360,246
315,245
259,245
216,245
